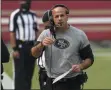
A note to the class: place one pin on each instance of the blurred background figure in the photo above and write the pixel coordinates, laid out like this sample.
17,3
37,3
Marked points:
45,20
4,58
23,33
41,59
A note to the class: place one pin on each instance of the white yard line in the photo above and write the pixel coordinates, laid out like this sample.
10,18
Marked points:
7,82
75,20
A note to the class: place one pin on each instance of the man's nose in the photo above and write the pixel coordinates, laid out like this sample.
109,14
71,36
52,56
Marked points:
60,18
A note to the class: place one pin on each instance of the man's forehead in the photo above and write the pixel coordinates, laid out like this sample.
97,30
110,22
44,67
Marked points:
58,10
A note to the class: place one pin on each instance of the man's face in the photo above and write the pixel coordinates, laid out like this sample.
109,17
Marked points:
24,7
60,17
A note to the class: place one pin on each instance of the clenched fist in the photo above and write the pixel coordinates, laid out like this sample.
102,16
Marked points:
48,41
16,54
76,68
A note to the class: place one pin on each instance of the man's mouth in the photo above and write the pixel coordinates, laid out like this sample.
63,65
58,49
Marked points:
60,24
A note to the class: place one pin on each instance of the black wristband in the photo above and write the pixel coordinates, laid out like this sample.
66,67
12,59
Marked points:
15,48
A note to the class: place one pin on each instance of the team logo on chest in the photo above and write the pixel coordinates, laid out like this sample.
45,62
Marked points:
61,43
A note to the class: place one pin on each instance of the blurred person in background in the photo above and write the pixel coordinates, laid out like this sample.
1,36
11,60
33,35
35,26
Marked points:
41,59
4,58
45,19
23,29
65,48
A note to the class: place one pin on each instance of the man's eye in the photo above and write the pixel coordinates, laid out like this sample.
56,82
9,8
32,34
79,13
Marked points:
56,16
62,15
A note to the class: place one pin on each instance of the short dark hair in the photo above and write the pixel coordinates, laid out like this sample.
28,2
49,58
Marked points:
24,5
46,16
61,5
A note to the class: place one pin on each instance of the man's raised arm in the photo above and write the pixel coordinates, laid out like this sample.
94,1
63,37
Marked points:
37,49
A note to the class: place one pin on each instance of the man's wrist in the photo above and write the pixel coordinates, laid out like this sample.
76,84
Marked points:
81,66
42,44
39,46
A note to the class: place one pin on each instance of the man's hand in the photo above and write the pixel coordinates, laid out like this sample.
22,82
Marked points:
76,68
16,54
38,49
48,41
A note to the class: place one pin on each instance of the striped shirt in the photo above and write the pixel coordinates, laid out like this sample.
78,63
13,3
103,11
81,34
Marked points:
41,61
24,25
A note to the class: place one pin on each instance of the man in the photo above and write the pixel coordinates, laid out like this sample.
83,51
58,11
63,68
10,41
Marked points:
41,60
70,49
45,19
4,58
23,33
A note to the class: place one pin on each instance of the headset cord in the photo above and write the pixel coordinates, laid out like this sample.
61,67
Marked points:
50,70
53,35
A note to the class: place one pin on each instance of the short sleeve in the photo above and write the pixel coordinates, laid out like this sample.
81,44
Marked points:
84,40
12,19
44,34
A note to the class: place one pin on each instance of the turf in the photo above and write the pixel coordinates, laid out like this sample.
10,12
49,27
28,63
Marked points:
99,75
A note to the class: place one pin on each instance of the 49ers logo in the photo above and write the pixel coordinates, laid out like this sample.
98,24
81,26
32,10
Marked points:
61,43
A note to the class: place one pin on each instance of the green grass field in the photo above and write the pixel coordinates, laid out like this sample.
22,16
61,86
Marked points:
99,74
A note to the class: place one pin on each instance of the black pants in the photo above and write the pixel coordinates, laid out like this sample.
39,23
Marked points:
1,76
24,67
1,82
64,84
42,78
1,86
